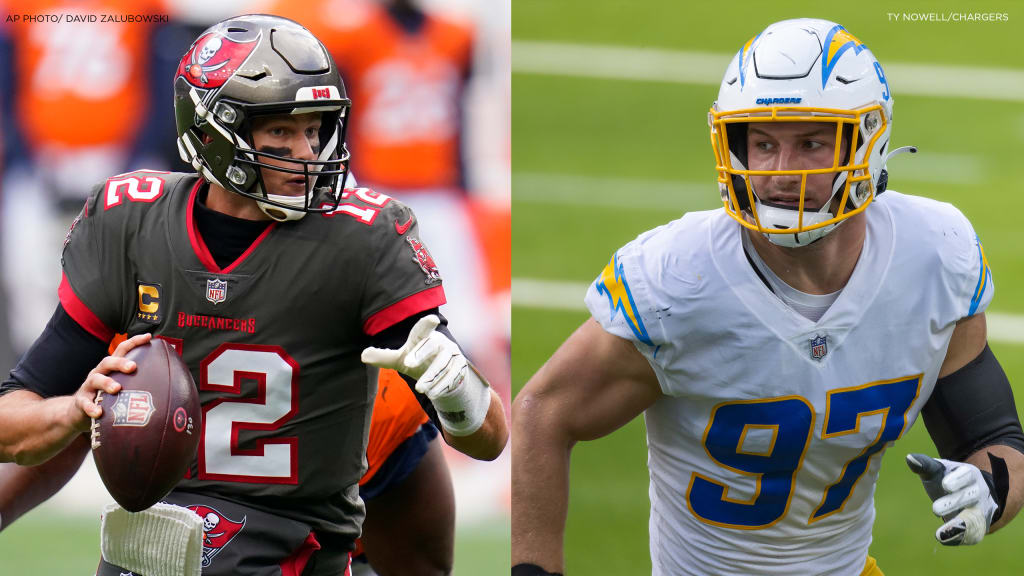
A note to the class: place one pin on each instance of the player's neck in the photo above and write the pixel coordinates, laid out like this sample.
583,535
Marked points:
226,202
821,268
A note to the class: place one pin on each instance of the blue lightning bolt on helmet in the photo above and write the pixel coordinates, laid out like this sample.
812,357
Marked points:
803,70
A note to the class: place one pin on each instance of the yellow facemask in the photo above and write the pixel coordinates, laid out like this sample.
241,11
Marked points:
853,189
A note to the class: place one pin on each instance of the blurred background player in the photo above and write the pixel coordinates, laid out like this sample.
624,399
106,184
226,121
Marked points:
407,488
76,107
7,355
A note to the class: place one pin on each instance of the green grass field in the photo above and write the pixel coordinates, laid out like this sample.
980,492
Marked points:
594,164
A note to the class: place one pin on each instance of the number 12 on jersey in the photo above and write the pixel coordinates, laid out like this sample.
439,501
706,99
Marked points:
272,460
789,422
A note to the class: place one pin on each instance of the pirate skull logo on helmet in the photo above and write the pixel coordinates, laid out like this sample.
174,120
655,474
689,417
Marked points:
209,49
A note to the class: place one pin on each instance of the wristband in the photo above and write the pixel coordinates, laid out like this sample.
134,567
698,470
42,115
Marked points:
463,411
531,570
998,484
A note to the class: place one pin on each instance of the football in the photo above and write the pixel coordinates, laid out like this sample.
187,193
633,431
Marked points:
148,433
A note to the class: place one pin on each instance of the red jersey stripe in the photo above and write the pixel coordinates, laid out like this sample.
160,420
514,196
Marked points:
418,302
81,313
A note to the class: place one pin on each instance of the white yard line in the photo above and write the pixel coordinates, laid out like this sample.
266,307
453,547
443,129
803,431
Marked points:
568,296
548,294
706,68
629,193
1005,327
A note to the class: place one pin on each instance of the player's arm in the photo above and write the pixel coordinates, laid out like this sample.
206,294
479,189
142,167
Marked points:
488,441
468,411
972,419
1002,436
410,524
49,398
22,488
594,384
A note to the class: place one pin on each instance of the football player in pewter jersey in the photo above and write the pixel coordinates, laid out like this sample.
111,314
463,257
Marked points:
282,290
778,345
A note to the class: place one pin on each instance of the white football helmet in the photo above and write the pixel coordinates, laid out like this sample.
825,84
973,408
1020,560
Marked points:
803,70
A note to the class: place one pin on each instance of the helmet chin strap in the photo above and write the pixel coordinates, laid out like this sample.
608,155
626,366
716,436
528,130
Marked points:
280,213
779,217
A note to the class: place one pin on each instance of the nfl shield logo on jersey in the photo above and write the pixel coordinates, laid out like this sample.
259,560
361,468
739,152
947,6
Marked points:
216,290
819,347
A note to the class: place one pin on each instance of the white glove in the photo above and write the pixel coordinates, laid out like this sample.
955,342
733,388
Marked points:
960,496
460,395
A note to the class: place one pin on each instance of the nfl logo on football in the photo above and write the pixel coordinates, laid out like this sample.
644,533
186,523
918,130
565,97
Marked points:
133,408
819,347
216,290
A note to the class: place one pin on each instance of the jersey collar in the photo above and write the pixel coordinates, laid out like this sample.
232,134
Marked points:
844,314
200,248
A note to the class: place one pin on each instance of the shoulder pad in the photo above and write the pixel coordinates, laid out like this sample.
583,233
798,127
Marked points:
372,209
142,187
942,240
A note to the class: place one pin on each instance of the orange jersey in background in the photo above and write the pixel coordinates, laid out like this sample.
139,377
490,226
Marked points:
80,83
396,416
406,89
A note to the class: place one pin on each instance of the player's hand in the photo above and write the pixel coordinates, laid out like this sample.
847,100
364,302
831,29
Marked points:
428,356
961,495
459,394
85,405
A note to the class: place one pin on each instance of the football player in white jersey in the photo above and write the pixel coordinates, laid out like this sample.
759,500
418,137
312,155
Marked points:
777,346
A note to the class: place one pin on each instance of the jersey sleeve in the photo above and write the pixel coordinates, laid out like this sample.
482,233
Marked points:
969,275
625,302
403,279
95,264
